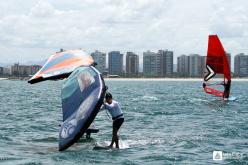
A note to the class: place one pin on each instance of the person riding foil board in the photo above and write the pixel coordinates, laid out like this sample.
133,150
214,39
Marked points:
117,116
227,87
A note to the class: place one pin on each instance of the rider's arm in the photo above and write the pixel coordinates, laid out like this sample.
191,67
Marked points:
103,107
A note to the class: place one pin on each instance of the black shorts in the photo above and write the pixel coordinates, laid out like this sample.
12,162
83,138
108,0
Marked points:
117,123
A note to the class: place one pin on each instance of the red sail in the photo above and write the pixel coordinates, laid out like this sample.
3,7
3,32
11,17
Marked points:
217,63
216,57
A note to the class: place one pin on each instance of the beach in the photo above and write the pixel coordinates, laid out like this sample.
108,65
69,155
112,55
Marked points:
169,79
149,79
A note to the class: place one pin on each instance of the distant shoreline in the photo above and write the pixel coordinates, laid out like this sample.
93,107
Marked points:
168,79
14,78
146,79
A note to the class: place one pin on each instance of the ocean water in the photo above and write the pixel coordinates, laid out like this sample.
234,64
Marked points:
165,123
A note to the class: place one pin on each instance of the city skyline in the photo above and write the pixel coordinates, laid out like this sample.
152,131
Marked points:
156,64
28,28
230,55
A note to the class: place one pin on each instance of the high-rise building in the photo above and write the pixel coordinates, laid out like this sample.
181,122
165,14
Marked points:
203,65
6,71
115,63
195,65
151,64
241,65
132,64
229,59
100,59
183,65
15,70
158,64
1,71
24,70
166,62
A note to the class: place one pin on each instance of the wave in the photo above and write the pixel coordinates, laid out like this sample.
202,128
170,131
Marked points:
150,98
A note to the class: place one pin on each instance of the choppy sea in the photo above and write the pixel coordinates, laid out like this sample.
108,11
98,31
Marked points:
166,122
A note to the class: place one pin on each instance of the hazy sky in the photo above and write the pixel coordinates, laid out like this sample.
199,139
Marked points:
31,30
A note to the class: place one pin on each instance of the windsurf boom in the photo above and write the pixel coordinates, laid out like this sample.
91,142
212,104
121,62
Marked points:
217,63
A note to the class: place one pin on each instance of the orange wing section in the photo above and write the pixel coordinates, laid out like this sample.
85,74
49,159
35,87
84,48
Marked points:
61,64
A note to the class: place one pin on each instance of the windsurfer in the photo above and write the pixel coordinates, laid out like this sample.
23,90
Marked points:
204,85
117,116
217,63
227,87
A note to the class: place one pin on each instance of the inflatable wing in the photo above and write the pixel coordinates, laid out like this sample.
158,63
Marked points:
61,64
82,96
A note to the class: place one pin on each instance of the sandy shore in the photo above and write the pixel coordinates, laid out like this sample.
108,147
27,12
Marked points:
168,79
160,79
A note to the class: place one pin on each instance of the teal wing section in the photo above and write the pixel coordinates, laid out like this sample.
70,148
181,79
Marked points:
82,96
